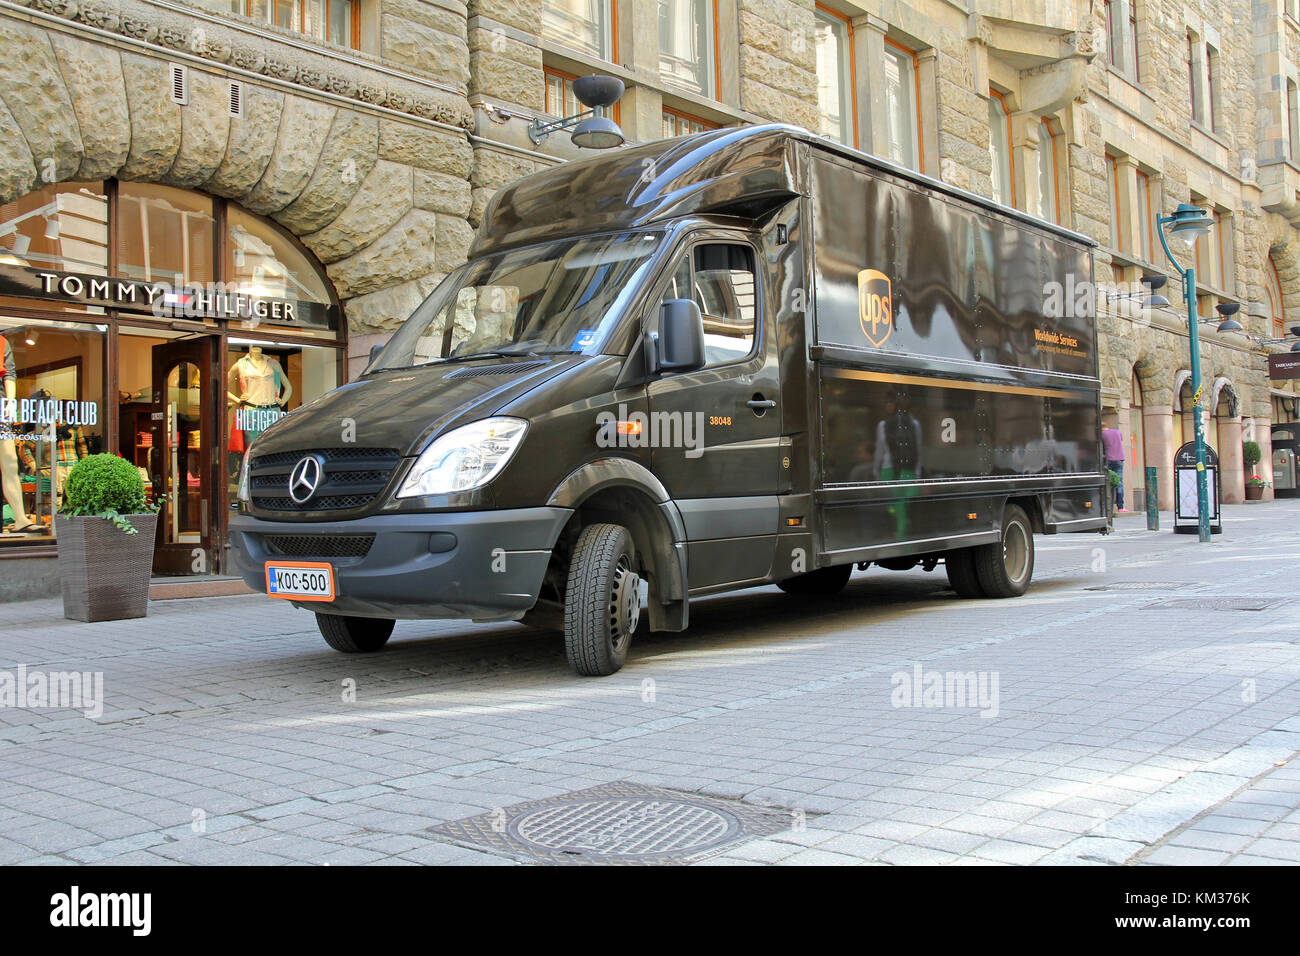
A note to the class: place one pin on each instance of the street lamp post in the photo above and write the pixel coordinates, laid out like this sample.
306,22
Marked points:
1187,224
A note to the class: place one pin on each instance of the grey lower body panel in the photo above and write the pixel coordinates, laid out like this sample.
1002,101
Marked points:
484,565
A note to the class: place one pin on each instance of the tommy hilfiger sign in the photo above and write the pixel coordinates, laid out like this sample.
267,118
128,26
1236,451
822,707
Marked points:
212,300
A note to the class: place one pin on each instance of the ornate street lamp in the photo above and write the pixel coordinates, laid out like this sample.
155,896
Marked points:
1187,225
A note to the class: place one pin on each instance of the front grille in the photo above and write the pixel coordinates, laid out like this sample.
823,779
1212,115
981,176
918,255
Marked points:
351,478
319,545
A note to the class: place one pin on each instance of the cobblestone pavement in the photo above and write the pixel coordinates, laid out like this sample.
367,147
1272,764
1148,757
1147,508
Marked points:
1140,717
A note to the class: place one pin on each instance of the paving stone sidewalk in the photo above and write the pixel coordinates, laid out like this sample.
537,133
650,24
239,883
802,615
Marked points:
1141,716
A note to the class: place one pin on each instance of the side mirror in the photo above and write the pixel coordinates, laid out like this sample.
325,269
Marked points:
681,336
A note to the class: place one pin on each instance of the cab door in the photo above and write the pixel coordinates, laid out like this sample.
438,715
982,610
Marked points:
715,431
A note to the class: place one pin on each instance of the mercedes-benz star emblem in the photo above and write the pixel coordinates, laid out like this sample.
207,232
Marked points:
304,478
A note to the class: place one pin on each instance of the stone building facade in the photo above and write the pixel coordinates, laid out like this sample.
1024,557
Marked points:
371,133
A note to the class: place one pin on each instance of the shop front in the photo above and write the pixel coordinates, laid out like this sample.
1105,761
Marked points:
166,326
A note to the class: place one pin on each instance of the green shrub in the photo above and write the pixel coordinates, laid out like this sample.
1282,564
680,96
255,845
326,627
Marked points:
1251,453
105,486
1116,479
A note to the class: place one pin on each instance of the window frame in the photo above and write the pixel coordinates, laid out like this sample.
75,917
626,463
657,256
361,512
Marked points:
1146,222
1113,196
682,115
918,128
301,5
1054,162
851,80
1213,73
609,35
1277,309
566,86
1292,108
673,262
1010,165
711,51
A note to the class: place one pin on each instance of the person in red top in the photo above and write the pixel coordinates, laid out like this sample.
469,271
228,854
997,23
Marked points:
1112,446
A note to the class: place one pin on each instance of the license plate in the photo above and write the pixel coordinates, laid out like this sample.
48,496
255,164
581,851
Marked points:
300,581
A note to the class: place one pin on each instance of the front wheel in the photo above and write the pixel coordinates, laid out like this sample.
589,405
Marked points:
355,635
1005,568
602,600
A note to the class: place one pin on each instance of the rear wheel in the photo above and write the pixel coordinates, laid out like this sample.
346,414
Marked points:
960,565
822,583
602,600
1005,568
355,635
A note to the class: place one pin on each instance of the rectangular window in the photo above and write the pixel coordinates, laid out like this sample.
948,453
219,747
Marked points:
721,280
1049,196
330,21
1222,244
1194,79
1213,80
1133,40
1004,189
560,100
1292,122
586,25
1112,175
835,75
686,37
902,106
683,124
1146,233
1114,42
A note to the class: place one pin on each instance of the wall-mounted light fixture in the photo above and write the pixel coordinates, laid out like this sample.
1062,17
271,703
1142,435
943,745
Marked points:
592,129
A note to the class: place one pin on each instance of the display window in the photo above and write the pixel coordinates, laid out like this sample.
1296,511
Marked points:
52,415
264,381
165,326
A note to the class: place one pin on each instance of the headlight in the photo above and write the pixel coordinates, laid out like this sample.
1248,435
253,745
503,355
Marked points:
464,458
243,478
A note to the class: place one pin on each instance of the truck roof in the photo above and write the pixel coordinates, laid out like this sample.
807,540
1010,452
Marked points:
743,171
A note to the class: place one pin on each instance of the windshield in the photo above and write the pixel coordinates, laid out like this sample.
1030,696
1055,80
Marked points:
561,296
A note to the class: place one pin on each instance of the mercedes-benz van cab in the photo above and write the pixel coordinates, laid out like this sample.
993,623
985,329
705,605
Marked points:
745,357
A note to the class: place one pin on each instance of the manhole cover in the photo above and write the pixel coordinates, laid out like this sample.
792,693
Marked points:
1214,604
616,823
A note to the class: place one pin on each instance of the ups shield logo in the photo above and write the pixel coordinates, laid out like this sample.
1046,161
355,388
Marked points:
875,306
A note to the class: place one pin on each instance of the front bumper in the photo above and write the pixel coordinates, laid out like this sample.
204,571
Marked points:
484,565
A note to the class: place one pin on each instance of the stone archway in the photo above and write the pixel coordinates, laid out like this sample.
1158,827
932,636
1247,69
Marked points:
380,195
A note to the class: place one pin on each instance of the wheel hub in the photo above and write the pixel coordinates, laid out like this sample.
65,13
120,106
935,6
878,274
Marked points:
624,603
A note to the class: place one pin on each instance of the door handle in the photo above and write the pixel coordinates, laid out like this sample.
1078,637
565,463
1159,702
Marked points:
759,404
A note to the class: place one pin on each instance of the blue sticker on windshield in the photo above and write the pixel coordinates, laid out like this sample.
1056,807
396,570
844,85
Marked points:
584,339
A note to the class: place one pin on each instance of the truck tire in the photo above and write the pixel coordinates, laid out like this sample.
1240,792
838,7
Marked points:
355,635
1006,567
821,583
602,600
960,565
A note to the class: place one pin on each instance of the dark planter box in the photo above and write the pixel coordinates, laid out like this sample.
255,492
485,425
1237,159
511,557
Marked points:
105,571
1254,492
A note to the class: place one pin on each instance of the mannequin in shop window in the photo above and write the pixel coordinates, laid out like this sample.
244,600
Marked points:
258,390
13,489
